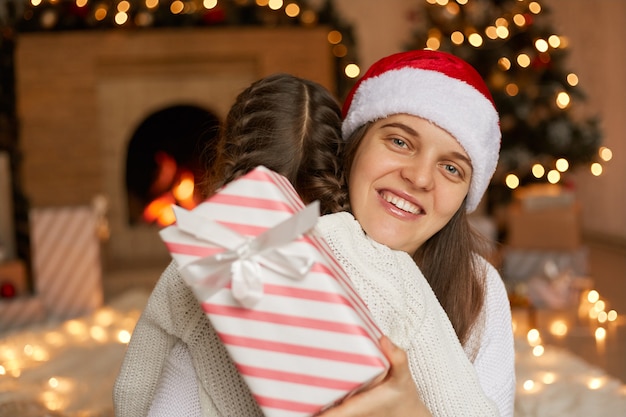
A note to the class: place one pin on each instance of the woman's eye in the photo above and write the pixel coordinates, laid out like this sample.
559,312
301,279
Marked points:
452,169
399,142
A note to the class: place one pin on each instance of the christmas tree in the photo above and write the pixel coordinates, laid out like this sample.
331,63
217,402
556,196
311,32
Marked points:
513,46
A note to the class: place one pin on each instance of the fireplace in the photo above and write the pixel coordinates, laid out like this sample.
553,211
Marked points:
83,96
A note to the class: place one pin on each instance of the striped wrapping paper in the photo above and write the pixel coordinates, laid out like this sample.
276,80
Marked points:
66,260
305,342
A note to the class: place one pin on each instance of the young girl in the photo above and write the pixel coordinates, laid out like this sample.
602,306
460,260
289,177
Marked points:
414,320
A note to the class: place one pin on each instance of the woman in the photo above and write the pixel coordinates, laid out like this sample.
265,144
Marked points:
423,139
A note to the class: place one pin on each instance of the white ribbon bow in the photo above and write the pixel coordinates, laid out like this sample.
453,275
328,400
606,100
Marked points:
244,259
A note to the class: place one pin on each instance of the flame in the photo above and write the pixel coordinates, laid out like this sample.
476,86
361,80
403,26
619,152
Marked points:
182,193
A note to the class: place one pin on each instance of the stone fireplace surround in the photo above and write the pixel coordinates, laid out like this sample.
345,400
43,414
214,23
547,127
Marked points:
81,95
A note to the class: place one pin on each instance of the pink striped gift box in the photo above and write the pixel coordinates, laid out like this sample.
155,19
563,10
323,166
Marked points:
66,260
282,305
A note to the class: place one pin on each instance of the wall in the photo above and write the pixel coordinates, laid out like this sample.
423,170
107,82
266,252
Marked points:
598,55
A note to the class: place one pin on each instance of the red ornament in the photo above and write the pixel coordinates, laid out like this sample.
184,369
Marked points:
7,290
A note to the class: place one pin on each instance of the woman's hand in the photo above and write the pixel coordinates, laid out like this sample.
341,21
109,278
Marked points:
395,396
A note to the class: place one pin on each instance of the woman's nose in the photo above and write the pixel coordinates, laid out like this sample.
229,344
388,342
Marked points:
420,174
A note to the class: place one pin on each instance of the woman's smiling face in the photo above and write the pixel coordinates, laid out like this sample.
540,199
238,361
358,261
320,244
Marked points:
408,178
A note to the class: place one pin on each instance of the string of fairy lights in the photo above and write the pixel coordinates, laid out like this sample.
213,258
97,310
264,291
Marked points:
42,15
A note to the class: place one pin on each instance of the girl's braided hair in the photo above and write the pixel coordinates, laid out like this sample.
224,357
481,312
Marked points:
292,126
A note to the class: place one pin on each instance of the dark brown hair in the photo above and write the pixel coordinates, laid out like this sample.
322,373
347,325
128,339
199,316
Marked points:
448,259
292,126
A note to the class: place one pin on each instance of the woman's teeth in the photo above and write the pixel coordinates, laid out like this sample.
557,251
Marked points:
401,203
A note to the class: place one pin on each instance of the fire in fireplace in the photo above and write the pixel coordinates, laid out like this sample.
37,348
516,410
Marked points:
166,162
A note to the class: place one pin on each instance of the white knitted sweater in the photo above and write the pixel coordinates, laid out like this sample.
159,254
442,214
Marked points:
173,335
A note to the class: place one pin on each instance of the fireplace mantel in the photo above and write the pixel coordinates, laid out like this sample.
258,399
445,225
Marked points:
82,94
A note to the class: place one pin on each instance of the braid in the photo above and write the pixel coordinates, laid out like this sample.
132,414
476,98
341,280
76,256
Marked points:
291,126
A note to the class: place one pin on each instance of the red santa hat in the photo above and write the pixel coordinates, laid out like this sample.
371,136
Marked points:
438,87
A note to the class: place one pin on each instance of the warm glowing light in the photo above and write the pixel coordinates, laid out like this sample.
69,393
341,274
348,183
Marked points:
457,37
184,190
100,13
81,3
502,22
462,2
433,43
453,9
572,79
2,370
541,45
534,7
262,3
595,383
475,40
519,20
75,327
554,41
553,176
593,296
275,4
562,100
123,6
35,2
98,334
600,333
503,32
511,89
511,181
334,37
548,378
491,32
558,328
593,314
177,7
596,169
151,4
538,170
523,60
121,18
533,337
611,315
562,165
538,350
53,382
603,316
123,336
155,210
352,70
292,10
504,63
605,153
529,384
600,305
564,41
441,2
